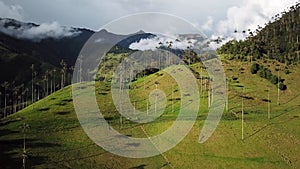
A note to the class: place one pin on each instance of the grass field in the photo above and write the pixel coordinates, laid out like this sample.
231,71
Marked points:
55,138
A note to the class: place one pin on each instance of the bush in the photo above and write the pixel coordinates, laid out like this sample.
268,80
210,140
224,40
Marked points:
261,73
282,86
254,68
286,71
274,79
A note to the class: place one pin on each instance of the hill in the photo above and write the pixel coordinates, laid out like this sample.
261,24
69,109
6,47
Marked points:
56,140
36,60
278,40
17,54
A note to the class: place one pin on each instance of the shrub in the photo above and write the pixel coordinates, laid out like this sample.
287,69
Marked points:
274,79
286,71
282,86
261,73
254,68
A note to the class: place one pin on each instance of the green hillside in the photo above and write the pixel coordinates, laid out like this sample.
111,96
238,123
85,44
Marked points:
278,40
55,138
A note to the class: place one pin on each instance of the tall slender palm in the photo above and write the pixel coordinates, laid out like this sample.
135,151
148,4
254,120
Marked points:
63,73
15,99
20,96
5,85
170,49
23,99
34,86
159,55
26,97
32,81
278,88
51,81
47,82
269,106
54,85
243,113
190,51
71,75
37,90
45,86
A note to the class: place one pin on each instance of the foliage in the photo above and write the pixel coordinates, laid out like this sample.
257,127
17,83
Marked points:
279,40
266,73
254,68
282,86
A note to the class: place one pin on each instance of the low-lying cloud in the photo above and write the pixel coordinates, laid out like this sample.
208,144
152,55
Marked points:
177,41
35,32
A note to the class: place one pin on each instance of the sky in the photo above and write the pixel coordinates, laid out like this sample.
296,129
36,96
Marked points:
214,17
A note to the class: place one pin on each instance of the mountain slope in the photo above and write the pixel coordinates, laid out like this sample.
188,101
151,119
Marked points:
279,40
56,140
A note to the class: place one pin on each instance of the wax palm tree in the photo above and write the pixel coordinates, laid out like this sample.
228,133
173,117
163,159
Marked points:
5,85
47,82
54,84
15,99
32,81
63,73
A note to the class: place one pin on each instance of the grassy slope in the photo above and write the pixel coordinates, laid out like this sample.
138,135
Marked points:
56,140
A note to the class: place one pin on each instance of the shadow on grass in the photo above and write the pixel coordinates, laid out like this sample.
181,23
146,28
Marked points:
61,104
67,100
258,131
288,110
239,159
269,124
44,109
77,159
4,122
62,112
4,132
139,167
11,153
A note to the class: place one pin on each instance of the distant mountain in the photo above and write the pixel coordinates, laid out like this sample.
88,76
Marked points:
45,46
49,49
23,44
123,45
279,40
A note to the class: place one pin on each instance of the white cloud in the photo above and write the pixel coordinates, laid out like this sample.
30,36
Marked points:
208,25
46,30
36,33
152,43
224,16
11,11
96,13
249,14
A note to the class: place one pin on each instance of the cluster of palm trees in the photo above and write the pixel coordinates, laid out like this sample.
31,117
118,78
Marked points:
278,40
189,56
15,97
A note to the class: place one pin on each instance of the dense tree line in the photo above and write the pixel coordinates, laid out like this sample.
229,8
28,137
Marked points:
14,97
278,40
266,73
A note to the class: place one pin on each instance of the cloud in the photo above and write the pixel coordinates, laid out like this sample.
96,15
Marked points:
96,13
35,32
11,11
153,43
208,25
247,15
48,30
